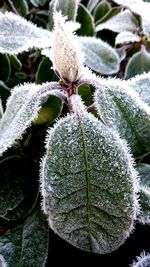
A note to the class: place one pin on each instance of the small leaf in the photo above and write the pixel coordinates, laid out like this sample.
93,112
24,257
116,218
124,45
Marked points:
45,72
86,21
137,64
144,194
92,4
121,53
93,208
5,69
22,7
118,23
101,10
125,112
110,14
13,182
99,56
141,84
49,112
27,244
15,62
127,37
68,8
18,34
22,108
142,261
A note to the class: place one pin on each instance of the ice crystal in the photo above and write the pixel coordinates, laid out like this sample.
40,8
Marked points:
142,261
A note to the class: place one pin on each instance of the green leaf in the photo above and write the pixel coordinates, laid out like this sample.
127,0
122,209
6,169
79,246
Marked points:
86,20
22,7
110,14
141,84
68,8
99,56
18,35
118,23
16,63
92,4
5,69
27,244
125,112
127,37
137,64
36,3
4,92
86,94
144,194
101,10
13,182
49,112
22,108
45,72
88,182
121,53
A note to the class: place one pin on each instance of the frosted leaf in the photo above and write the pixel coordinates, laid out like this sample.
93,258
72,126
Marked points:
118,23
127,37
2,261
99,56
69,8
22,108
142,261
141,8
18,35
124,111
141,84
1,109
144,194
88,183
27,244
65,51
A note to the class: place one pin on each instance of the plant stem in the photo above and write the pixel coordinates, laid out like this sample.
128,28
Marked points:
11,6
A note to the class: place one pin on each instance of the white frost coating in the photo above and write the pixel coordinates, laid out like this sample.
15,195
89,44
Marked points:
2,261
118,23
142,261
141,8
64,183
127,37
99,55
22,108
18,35
65,51
141,84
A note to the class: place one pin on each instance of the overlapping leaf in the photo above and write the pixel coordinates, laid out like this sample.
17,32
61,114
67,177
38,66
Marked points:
22,108
27,244
124,111
18,35
88,183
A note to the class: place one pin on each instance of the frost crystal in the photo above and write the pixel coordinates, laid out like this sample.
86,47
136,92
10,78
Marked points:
65,53
142,261
88,183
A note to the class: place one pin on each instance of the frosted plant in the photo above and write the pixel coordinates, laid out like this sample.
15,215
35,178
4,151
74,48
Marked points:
142,261
92,191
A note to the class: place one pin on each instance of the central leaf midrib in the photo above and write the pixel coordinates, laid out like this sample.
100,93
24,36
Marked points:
88,180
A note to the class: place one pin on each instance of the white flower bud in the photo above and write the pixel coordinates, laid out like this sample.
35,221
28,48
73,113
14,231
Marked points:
65,53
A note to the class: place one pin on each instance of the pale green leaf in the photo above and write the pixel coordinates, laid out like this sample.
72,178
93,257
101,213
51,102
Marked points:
92,4
18,35
127,37
86,21
22,108
67,7
141,8
88,183
118,23
110,14
121,53
138,64
124,111
27,244
99,56
101,10
144,194
141,84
